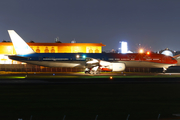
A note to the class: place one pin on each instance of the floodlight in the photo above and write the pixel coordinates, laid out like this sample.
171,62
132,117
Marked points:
124,48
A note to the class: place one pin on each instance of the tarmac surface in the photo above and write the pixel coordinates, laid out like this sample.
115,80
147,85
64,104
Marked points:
81,78
44,80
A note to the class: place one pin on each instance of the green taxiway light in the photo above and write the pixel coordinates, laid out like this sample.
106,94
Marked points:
18,77
84,56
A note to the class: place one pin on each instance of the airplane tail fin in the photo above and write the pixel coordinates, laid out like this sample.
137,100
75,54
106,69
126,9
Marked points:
20,45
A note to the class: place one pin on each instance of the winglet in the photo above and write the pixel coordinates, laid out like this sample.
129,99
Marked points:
20,45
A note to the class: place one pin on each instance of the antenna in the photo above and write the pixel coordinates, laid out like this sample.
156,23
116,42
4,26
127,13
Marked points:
57,40
73,41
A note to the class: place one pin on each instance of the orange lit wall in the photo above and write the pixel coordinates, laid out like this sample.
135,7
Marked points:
6,48
45,49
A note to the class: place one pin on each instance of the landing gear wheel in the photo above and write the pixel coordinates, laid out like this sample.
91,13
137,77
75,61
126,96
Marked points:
92,72
86,72
97,72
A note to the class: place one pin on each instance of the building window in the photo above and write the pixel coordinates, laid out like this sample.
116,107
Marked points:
90,51
46,50
52,50
96,51
37,50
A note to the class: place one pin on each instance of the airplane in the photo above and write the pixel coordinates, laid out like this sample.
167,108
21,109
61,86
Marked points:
93,63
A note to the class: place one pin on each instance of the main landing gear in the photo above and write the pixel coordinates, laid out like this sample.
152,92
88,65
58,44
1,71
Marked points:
164,69
93,70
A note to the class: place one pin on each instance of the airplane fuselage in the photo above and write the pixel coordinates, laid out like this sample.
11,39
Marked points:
79,59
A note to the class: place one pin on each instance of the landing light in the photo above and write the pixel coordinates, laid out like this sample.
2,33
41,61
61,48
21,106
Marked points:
141,51
77,56
110,77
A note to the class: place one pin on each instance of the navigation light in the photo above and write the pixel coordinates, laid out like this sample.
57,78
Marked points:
148,53
84,56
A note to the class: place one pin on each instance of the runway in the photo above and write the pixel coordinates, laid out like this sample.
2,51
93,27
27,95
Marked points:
138,94
81,78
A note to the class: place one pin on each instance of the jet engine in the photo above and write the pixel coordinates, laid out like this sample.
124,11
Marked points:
117,66
94,66
112,66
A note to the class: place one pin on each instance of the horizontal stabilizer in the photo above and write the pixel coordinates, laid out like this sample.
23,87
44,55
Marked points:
15,57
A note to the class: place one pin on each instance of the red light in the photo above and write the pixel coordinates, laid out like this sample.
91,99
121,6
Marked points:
148,53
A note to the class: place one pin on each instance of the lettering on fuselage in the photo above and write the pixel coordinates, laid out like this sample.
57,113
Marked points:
55,58
125,59
111,59
131,56
155,59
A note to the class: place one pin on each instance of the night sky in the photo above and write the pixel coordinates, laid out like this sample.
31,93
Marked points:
155,24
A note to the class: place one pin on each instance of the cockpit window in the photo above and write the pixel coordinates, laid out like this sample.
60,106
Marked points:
173,59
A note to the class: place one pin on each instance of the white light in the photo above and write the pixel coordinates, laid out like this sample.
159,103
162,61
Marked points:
4,59
129,51
77,56
124,48
167,53
9,48
141,51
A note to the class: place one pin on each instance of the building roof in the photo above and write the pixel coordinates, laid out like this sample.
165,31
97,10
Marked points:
56,44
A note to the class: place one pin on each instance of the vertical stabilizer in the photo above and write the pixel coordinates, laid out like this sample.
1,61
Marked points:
20,45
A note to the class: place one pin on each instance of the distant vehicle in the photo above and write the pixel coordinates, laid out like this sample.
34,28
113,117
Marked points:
92,62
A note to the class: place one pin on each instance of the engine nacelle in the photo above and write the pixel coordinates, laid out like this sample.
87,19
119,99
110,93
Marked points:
108,66
117,66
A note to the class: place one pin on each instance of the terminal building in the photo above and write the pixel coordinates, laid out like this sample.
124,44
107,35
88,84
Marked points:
7,48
